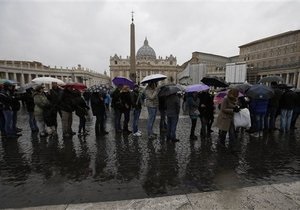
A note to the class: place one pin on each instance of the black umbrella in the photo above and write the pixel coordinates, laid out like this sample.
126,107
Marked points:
167,90
270,79
214,81
285,86
259,91
98,89
243,87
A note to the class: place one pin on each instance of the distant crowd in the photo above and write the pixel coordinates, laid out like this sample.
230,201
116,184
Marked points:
44,107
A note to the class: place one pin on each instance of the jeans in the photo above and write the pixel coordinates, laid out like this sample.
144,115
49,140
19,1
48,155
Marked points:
117,115
32,121
162,124
270,118
285,119
9,127
259,122
151,118
136,116
171,127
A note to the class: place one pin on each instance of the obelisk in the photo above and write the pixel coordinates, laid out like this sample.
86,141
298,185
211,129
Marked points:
132,71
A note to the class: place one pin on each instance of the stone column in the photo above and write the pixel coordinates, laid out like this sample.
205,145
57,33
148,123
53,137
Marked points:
22,79
29,77
15,76
6,75
287,78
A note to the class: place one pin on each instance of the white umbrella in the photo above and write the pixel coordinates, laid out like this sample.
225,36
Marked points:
153,78
47,80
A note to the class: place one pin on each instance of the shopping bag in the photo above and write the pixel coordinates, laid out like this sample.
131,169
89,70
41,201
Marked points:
242,118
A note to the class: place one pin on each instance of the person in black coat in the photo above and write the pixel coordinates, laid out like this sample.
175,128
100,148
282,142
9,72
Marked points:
29,102
67,107
287,103
206,109
81,110
116,105
98,109
126,102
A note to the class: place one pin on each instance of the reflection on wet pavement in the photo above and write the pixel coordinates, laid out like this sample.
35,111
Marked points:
46,171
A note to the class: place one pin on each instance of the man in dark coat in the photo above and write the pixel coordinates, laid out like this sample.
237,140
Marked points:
98,109
67,107
126,107
172,112
28,98
6,97
273,106
116,104
206,109
287,104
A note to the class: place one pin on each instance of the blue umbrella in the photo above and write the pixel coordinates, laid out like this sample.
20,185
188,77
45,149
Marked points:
259,91
123,81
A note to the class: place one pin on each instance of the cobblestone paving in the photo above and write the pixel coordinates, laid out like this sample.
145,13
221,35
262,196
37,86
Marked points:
38,171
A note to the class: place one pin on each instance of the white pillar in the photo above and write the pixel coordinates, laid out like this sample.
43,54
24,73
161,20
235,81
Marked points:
287,78
15,76
6,75
22,79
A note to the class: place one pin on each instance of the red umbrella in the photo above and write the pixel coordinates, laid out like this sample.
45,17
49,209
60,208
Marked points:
76,85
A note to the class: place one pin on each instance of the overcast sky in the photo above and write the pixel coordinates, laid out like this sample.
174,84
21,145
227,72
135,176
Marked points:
67,33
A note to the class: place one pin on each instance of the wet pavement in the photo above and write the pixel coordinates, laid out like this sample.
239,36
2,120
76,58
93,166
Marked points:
38,171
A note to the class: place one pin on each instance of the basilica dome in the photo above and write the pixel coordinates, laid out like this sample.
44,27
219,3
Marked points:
145,52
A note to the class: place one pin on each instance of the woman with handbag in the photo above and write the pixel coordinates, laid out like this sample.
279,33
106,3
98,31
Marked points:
225,118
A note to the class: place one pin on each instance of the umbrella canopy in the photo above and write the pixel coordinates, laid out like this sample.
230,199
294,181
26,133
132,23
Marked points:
243,87
259,91
196,88
153,78
214,81
12,82
123,81
27,86
169,89
219,97
270,79
98,89
76,85
47,80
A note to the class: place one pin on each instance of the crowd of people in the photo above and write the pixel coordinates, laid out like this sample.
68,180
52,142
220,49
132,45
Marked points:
44,107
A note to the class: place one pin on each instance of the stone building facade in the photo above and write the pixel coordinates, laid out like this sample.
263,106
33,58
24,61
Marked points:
275,55
25,71
205,64
146,64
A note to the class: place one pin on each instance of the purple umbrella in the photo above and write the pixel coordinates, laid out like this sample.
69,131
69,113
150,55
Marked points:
196,88
123,81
